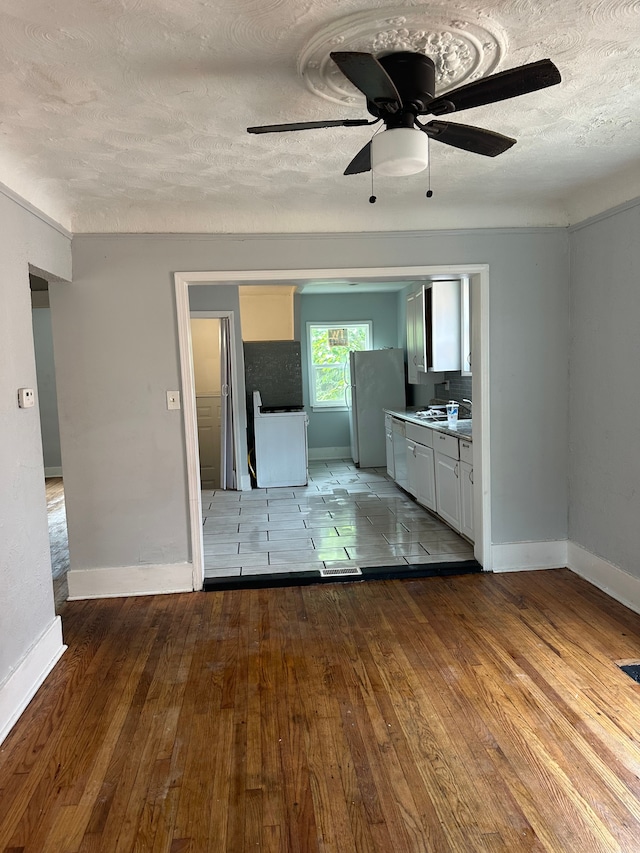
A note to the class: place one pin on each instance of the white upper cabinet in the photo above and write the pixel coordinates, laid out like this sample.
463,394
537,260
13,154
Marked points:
442,323
415,335
437,328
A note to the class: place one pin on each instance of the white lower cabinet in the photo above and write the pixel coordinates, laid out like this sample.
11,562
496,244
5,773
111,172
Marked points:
448,489
426,477
466,500
421,473
436,468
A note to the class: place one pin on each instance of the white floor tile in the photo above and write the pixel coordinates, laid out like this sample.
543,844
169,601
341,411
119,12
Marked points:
290,535
222,573
277,545
303,556
281,569
258,536
215,549
236,561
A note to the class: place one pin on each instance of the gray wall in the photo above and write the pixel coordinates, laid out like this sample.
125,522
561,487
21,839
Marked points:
116,354
331,429
47,398
25,567
604,465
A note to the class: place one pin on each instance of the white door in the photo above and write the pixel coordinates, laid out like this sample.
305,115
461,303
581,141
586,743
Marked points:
208,414
205,337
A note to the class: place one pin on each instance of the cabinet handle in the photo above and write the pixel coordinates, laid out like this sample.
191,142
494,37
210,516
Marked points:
471,476
455,470
442,437
415,359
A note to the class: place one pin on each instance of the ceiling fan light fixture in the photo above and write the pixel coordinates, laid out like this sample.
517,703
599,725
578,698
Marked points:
399,151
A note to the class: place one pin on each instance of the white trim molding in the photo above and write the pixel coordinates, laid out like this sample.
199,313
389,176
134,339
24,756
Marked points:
53,472
130,580
324,454
479,281
611,579
23,683
528,556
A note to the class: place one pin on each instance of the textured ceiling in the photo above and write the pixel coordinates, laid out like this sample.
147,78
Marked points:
131,115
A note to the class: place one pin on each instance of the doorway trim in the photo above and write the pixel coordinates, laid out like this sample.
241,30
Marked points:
479,281
190,417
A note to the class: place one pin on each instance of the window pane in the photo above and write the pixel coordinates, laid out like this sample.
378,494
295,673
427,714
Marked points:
329,347
330,385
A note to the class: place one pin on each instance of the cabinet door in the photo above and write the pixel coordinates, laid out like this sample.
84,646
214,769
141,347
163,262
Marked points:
412,467
425,479
419,332
412,360
466,500
448,489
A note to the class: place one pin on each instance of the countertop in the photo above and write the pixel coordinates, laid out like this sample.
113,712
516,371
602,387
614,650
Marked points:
463,429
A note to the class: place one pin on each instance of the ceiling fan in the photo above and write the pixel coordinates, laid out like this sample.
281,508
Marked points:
399,87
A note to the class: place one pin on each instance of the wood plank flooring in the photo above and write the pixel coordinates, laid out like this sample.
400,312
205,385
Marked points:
472,713
58,539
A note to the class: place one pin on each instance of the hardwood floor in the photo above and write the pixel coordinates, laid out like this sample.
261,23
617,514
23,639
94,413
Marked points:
473,713
58,539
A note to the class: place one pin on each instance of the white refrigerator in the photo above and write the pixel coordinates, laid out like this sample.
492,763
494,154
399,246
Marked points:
376,382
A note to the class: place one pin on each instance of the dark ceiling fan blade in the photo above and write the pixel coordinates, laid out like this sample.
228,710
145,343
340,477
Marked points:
497,87
309,125
474,139
361,162
366,74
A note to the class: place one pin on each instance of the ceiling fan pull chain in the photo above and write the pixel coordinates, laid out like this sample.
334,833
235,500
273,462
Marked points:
429,190
372,198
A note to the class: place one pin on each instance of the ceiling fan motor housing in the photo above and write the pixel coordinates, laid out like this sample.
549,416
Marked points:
414,76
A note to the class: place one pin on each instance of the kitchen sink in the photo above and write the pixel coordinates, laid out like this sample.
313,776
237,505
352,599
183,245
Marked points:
463,427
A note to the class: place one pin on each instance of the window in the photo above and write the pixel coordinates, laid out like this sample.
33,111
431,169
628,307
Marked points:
329,347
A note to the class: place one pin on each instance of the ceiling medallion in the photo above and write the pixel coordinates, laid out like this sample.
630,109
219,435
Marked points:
462,50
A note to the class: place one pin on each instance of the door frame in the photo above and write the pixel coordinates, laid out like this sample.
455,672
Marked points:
479,283
190,419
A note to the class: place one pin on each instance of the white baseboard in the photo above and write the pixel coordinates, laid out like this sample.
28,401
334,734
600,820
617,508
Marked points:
118,581
528,556
53,472
245,483
611,579
23,683
323,453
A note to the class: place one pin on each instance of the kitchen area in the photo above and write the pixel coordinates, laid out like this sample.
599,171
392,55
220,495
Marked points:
400,492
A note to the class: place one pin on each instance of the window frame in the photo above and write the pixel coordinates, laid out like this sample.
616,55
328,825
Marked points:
330,405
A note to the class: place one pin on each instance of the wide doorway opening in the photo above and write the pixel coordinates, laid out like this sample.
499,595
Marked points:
214,516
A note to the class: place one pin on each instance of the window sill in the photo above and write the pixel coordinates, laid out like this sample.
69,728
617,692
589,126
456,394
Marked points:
329,408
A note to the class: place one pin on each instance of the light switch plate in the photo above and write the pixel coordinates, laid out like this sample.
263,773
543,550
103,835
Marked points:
173,400
26,398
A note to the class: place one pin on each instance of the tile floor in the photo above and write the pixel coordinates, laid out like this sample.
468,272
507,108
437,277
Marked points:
346,516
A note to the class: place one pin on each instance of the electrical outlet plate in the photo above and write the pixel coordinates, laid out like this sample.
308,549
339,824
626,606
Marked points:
26,398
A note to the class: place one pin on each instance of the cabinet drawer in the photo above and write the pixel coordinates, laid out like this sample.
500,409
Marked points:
466,451
445,444
421,434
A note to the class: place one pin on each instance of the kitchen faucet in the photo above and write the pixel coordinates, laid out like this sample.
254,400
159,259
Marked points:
469,406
